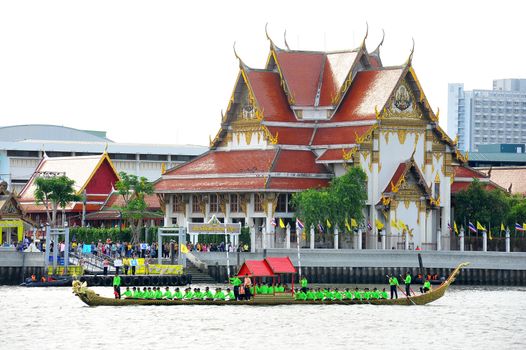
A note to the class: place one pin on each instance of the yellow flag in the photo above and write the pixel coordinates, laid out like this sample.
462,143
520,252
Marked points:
281,223
455,227
524,227
354,223
379,224
402,225
394,224
347,226
490,236
480,227
184,249
329,224
502,228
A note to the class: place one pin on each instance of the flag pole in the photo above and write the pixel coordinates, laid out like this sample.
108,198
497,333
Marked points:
299,256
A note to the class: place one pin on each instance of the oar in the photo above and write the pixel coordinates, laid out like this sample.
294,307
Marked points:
405,295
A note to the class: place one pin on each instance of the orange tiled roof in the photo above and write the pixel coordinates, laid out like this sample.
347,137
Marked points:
339,135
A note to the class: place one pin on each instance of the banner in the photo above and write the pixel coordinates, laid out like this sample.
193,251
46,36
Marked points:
214,229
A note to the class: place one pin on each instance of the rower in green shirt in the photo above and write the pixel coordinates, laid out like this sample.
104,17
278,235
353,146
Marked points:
178,294
264,289
375,294
311,295
198,294
219,295
236,282
128,292
384,294
136,293
167,294
357,294
427,286
230,294
280,289
270,289
300,295
366,294
208,295
158,293
319,294
188,294
337,294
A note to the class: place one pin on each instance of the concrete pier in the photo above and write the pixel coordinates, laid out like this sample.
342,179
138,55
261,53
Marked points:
15,266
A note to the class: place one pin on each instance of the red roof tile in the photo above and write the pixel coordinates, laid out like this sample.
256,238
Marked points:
400,170
461,186
336,69
369,89
463,171
290,161
224,162
213,184
280,265
291,136
115,199
270,96
340,135
257,268
296,184
332,154
301,70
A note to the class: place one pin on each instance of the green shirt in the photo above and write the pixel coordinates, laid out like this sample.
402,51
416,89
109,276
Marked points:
384,295
348,294
235,281
219,296
168,294
158,294
209,295
264,289
408,279
304,282
270,290
301,296
427,284
393,281
375,295
128,293
338,295
367,295
280,289
357,295
137,294
178,295
188,295
319,295
311,295
117,280
198,295
231,295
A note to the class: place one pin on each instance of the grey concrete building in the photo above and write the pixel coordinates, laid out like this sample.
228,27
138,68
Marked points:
481,117
22,147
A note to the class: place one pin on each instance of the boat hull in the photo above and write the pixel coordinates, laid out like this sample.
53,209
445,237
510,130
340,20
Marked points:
89,297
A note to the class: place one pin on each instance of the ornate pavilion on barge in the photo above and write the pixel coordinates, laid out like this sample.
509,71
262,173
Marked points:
302,120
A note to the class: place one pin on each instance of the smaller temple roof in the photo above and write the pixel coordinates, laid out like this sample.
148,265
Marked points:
464,175
255,268
512,178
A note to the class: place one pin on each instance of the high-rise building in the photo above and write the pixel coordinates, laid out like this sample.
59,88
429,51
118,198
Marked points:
481,117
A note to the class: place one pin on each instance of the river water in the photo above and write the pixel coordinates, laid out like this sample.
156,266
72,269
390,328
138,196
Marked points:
465,318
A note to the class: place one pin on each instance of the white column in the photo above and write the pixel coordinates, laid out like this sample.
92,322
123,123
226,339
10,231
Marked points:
359,246
484,241
439,240
508,240
287,237
336,238
264,238
461,237
252,239
312,236
406,243
382,233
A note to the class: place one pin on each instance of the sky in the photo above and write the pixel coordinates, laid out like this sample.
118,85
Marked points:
162,71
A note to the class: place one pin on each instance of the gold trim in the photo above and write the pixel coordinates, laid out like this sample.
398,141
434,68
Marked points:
99,163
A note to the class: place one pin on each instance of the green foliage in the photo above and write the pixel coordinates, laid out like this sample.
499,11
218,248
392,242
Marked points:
56,192
343,199
133,189
93,234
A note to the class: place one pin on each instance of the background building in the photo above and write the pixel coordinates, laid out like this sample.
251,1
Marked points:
488,116
23,146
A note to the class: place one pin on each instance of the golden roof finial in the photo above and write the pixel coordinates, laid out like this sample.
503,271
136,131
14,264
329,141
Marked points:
410,58
366,33
241,63
285,39
106,148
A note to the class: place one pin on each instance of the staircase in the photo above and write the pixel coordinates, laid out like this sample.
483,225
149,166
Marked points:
199,276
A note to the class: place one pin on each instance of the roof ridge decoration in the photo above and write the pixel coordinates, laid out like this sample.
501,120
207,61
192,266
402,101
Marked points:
377,50
285,40
410,58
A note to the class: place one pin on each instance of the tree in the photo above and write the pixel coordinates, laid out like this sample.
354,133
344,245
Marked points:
478,204
56,192
342,200
133,189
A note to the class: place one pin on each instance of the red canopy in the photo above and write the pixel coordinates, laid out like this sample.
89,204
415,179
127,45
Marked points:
280,265
255,268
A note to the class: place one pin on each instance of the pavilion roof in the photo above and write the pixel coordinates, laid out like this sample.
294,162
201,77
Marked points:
280,264
255,268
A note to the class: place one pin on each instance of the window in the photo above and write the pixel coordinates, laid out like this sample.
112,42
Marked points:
178,205
258,202
122,156
157,157
284,204
214,203
235,206
22,154
196,201
58,154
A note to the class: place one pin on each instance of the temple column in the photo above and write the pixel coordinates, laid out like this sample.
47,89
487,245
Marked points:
508,240
287,237
336,238
461,238
311,236
382,233
359,245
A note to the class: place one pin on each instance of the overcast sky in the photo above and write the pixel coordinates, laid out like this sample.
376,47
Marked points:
161,71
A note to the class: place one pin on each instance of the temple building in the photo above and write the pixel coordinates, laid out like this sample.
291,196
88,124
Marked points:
305,118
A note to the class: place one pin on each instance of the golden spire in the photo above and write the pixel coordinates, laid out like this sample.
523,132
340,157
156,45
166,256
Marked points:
410,58
285,39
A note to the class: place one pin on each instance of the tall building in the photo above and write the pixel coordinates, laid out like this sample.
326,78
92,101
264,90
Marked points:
481,117
22,147
304,119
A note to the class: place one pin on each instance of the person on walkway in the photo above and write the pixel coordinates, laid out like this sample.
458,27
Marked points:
106,265
133,264
126,263
407,282
147,265
304,284
236,282
393,283
117,285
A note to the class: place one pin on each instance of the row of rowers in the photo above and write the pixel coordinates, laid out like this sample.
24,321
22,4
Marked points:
177,294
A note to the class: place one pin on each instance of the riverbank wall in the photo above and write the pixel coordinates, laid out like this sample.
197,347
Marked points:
372,266
15,266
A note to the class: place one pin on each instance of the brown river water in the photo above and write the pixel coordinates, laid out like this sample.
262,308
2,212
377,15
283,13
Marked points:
465,318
